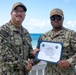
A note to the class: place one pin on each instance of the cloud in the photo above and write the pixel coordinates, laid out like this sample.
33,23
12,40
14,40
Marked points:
37,22
71,25
37,26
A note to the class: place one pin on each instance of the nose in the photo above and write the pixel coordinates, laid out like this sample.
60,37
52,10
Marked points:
55,19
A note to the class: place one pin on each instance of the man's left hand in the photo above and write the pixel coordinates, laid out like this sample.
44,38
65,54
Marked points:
63,64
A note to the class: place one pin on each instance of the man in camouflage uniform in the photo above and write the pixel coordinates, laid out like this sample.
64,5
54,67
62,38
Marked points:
66,36
15,44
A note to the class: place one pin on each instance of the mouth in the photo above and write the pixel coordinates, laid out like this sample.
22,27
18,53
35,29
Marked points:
19,16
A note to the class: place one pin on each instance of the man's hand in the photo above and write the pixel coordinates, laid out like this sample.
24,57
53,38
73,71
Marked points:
63,64
29,66
35,51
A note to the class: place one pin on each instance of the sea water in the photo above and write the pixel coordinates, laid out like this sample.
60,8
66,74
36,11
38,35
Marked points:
35,37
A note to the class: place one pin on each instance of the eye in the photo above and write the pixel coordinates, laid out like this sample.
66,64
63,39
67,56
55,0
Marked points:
52,18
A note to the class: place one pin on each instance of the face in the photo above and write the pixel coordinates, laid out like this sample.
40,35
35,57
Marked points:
56,21
18,15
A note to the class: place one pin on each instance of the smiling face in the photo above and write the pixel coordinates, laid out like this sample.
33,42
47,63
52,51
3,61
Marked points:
18,15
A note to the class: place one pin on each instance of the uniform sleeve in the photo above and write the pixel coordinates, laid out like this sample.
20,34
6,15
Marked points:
72,60
40,38
32,57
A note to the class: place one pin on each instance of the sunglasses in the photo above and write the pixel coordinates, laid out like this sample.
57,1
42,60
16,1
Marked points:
56,17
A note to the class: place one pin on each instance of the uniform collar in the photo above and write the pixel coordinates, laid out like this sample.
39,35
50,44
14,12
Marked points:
13,28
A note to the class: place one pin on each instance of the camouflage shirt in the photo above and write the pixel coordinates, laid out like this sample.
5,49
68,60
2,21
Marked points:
68,38
15,48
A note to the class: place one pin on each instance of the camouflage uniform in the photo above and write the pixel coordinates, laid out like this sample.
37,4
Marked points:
15,48
68,38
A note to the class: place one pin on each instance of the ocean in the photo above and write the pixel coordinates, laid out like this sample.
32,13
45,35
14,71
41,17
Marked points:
35,37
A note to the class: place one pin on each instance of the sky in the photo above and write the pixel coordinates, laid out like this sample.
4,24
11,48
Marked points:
38,12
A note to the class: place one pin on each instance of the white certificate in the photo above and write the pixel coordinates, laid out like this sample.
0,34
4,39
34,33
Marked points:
49,51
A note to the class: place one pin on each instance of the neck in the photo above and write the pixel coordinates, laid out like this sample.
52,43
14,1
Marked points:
56,29
16,24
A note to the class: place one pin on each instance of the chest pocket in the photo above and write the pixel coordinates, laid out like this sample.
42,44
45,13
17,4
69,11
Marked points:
16,39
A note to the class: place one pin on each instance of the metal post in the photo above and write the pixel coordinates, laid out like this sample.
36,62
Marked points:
75,70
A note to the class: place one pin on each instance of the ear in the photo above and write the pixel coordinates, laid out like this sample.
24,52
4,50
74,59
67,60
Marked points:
11,13
63,18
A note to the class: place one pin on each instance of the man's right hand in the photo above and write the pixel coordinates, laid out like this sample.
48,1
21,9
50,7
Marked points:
29,66
35,51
